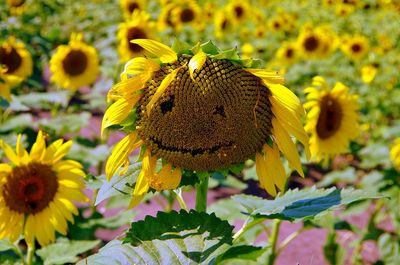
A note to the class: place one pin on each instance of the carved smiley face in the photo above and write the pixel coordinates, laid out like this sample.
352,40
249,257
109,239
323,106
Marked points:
222,117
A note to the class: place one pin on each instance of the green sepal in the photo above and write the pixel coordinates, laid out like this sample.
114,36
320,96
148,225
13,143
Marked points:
210,48
231,54
181,47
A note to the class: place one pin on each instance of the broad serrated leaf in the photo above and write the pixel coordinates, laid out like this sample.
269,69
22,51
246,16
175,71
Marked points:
65,251
301,204
169,238
119,184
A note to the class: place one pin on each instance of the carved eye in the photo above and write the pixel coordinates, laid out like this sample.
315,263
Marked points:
220,110
167,106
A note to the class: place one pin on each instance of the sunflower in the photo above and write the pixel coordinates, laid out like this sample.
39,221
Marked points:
37,191
186,12
368,72
316,42
239,10
355,47
129,6
74,65
15,58
395,154
223,23
332,118
7,81
17,7
287,54
202,110
138,27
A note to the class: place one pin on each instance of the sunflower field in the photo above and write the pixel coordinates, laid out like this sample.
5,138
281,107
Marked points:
200,132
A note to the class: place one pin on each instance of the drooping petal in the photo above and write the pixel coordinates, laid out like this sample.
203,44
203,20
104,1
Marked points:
166,179
287,147
160,90
264,176
142,182
287,98
275,166
197,62
120,153
165,53
139,66
21,151
117,112
269,77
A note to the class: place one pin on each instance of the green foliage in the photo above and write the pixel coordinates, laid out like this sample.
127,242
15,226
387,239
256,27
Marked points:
301,204
169,238
65,251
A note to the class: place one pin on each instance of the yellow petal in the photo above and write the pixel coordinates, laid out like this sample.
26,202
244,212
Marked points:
5,168
269,77
287,98
291,123
142,182
62,151
275,166
136,199
160,90
30,227
120,153
38,147
165,53
9,153
50,151
264,176
21,152
139,66
166,179
126,89
116,113
197,62
286,145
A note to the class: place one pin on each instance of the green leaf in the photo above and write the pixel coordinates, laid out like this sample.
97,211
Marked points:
64,251
19,121
6,245
389,249
119,184
347,176
35,99
231,54
3,102
169,238
243,252
210,48
301,204
66,123
374,155
181,47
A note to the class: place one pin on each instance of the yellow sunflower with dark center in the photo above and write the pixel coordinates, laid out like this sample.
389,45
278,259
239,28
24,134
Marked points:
223,23
185,12
239,10
287,54
15,58
395,154
332,118
17,7
316,42
37,191
129,6
356,47
202,110
138,27
74,65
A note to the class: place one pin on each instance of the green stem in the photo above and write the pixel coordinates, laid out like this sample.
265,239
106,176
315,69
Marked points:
31,252
246,226
201,195
288,240
179,198
273,241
